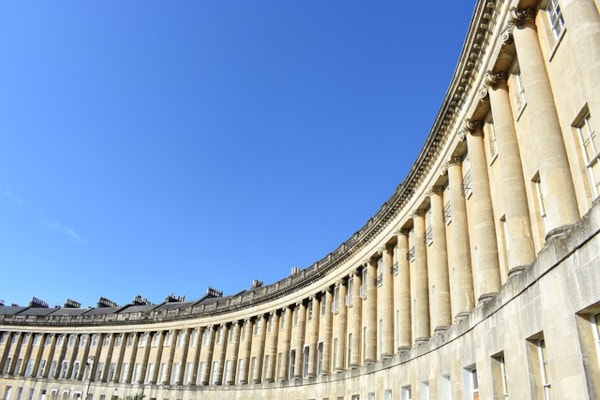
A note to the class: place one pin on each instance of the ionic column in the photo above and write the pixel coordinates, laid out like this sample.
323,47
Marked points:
28,354
340,327
519,242
298,338
145,357
158,357
484,241
232,352
402,292
17,348
207,354
370,312
194,354
119,360
557,187
419,284
583,23
185,354
438,264
6,352
325,331
385,298
258,348
283,347
132,357
220,355
355,322
244,353
313,335
40,352
271,346
171,355
459,260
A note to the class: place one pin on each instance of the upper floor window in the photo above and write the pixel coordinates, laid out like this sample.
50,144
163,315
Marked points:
557,23
590,146
519,90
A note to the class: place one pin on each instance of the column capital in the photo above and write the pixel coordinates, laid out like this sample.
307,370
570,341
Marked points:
522,18
455,160
436,189
473,126
419,212
402,231
496,78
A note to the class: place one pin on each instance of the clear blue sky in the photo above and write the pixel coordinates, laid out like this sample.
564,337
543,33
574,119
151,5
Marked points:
157,147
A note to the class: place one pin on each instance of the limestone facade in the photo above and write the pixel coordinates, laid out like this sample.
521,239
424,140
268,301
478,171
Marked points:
478,278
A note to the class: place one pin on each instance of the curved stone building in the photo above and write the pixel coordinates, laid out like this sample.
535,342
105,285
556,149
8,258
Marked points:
478,278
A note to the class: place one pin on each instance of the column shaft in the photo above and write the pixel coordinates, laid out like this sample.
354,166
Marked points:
519,242
419,283
439,280
485,247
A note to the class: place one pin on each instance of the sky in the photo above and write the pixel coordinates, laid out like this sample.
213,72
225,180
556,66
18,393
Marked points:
153,148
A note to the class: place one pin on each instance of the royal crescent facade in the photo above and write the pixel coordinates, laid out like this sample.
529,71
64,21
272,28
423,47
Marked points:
479,278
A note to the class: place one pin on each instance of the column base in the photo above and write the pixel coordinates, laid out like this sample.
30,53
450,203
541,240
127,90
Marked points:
421,340
461,316
557,232
517,270
440,329
484,298
404,348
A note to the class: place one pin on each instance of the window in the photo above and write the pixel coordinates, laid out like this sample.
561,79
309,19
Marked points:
590,146
59,340
36,339
467,183
175,373
99,371
387,394
470,383
256,326
206,336
189,371
296,315
82,340
445,388
124,372
155,339
336,299
52,371
539,364
492,140
143,340
118,340
282,321
149,372
169,338
75,372
349,348
350,291
429,229
380,272
320,358
520,99
292,364
163,373
221,333
63,370
541,208
41,368
106,341
137,373
111,372
305,357
323,305
363,286
93,343
194,340
71,341
310,310
557,23
411,252
181,339
499,377
424,391
228,366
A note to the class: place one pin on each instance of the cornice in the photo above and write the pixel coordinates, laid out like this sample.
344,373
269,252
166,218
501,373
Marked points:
446,126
